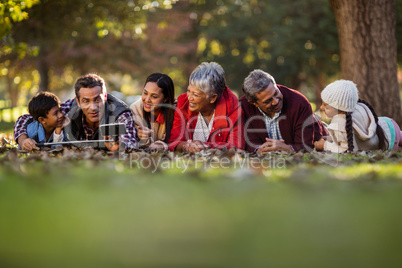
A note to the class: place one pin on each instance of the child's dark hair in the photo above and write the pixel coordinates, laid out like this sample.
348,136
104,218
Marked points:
41,103
349,131
383,144
166,84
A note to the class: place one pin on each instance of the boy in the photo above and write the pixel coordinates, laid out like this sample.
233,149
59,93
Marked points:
48,123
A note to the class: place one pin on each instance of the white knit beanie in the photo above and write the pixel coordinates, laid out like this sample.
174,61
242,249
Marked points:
341,94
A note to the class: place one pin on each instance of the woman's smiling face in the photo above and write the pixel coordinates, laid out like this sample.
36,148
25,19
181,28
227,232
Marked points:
199,101
152,97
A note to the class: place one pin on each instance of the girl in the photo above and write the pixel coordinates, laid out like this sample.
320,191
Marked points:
154,112
355,125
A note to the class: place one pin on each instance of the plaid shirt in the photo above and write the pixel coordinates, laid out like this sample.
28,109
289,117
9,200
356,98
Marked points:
272,125
129,139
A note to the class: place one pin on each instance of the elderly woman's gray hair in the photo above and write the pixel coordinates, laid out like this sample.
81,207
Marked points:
256,82
209,77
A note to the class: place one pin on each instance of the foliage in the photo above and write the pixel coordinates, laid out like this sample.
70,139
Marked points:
12,11
296,41
73,209
140,37
84,36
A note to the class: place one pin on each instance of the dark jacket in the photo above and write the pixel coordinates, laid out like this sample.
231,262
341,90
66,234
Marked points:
297,123
113,109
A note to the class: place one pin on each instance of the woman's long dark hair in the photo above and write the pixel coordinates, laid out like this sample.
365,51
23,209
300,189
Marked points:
166,84
382,142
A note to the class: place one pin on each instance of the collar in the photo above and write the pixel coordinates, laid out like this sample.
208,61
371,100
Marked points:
160,119
276,115
87,130
220,113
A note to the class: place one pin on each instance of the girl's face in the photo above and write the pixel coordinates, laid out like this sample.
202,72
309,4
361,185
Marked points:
329,110
152,97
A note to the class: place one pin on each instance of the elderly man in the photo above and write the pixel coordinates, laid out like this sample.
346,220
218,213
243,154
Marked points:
91,107
277,118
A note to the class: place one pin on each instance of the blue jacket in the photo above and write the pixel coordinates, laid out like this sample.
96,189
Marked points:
36,132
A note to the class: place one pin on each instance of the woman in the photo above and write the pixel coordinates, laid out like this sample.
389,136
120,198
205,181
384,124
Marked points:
208,115
154,112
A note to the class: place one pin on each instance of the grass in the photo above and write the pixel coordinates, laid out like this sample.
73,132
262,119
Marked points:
6,127
87,211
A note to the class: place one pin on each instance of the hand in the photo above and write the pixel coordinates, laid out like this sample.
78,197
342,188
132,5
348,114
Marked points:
195,146
326,138
273,146
111,145
28,144
66,122
319,145
144,132
158,146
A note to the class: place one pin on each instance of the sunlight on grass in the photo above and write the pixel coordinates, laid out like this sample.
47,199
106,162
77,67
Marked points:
369,171
88,211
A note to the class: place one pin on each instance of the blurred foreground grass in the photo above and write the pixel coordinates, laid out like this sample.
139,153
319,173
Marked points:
91,213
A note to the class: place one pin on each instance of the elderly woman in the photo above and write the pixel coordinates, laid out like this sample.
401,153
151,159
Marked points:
208,115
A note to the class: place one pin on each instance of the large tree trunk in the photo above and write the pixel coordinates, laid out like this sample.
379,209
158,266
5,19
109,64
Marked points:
368,51
43,69
13,90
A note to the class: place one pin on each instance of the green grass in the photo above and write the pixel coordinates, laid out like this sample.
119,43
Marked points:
6,127
97,213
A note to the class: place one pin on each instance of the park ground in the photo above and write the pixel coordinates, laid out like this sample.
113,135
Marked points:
67,208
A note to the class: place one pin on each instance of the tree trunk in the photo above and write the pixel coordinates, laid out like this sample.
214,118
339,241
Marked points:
43,69
368,49
13,91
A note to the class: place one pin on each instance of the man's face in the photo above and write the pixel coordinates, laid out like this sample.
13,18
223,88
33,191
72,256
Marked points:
92,102
270,100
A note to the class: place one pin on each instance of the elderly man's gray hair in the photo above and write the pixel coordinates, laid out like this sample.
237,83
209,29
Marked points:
256,82
209,77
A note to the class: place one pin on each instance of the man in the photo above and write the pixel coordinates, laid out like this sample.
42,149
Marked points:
92,107
277,118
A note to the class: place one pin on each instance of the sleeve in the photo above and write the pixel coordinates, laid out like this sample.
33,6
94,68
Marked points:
130,138
139,121
58,137
66,106
252,136
21,125
339,142
234,136
304,128
178,133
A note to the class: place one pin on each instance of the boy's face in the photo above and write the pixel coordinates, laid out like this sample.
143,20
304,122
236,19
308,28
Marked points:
92,102
54,118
